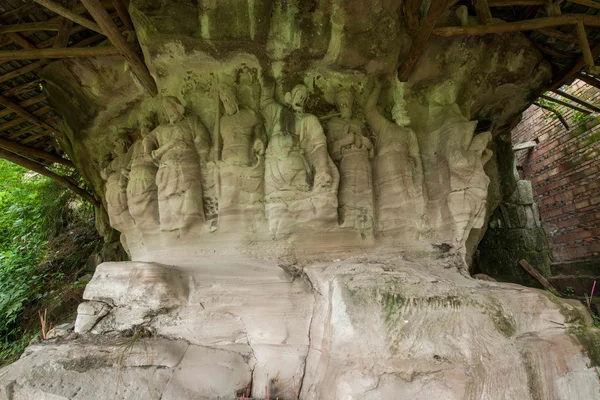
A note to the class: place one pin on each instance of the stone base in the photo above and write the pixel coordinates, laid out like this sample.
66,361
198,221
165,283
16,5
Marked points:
385,327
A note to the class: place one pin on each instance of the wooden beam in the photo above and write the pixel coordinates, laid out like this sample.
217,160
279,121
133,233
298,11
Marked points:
516,3
22,71
411,12
526,25
436,9
556,34
587,3
40,169
577,100
24,88
552,52
123,14
568,72
66,26
525,145
6,102
564,103
99,51
555,112
109,28
590,80
26,103
30,8
483,11
68,14
31,26
27,151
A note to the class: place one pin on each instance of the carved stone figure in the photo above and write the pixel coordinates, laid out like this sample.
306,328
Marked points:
116,188
398,171
297,147
351,150
181,144
241,147
297,164
142,192
467,156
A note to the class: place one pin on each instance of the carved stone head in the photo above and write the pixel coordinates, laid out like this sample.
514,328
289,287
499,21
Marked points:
173,109
297,97
229,99
121,146
343,102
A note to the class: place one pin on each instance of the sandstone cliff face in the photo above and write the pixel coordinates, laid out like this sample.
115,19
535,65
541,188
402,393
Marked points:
281,140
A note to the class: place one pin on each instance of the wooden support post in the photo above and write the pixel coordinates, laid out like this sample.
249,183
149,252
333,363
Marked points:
483,11
525,25
40,169
27,151
27,115
436,9
62,39
564,103
123,14
411,11
577,100
58,53
68,14
534,273
584,45
109,28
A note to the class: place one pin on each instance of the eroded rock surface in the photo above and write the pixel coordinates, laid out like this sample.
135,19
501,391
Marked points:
281,140
362,328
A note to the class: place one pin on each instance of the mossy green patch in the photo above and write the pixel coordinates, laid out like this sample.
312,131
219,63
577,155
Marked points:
590,340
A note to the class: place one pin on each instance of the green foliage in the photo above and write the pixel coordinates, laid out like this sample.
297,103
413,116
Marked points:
36,216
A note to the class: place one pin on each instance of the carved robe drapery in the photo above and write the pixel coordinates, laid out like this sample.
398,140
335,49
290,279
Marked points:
142,192
179,178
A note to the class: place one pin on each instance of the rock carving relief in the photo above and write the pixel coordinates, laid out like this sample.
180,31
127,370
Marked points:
352,151
182,145
142,192
115,176
398,171
301,180
269,167
239,150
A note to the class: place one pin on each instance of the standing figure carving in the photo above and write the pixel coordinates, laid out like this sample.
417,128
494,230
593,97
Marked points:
297,165
116,188
351,150
142,192
398,174
240,142
182,142
467,199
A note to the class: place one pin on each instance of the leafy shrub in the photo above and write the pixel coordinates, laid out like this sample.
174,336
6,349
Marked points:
46,236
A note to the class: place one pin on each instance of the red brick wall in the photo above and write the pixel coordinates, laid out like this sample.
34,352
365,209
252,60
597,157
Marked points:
564,169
